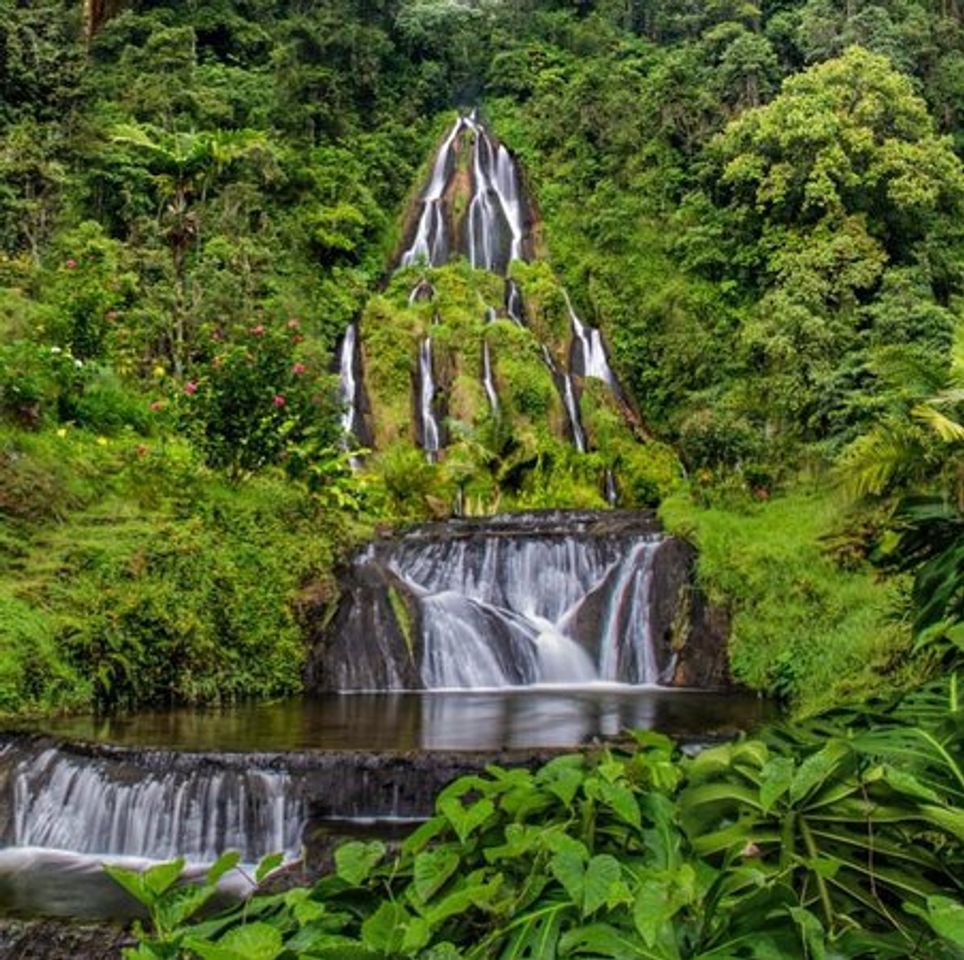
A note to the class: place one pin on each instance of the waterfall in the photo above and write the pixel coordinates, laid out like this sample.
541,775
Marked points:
495,224
572,410
514,307
592,352
514,601
610,490
487,379
567,392
426,379
627,615
348,386
89,806
431,243
503,611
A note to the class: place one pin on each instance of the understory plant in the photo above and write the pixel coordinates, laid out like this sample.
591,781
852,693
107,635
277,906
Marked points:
842,838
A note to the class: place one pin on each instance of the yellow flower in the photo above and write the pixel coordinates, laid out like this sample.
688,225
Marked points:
102,441
159,371
62,432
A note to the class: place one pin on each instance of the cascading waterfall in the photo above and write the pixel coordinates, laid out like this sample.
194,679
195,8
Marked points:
494,232
592,353
426,381
512,601
495,225
431,242
88,806
500,611
348,386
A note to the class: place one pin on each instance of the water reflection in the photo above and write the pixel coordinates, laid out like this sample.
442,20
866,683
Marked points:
476,720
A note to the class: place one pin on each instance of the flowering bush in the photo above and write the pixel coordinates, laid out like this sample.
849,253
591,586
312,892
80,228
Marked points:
258,393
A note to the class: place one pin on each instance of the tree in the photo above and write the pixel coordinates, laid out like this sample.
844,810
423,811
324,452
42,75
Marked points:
185,166
827,190
847,137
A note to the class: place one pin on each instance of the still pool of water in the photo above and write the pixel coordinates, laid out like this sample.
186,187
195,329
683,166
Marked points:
464,720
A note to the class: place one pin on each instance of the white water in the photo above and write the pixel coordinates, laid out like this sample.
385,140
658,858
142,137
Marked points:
348,388
488,381
495,208
611,490
426,380
430,243
593,359
572,410
507,611
89,806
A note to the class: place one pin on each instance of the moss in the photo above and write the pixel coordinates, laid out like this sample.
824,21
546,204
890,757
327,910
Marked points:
546,310
520,458
404,620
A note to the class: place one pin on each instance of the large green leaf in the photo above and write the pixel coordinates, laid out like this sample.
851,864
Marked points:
432,869
355,861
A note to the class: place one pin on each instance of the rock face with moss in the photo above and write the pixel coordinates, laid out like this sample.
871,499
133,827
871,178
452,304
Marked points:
562,597
474,354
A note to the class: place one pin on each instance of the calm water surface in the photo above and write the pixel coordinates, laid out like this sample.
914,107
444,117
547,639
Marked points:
469,720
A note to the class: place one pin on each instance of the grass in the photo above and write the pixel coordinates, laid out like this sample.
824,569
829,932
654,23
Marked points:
803,627
141,577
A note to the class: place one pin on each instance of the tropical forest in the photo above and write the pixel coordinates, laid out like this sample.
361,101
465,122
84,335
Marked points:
481,479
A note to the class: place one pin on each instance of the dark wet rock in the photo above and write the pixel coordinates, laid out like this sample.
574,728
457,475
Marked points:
61,940
689,634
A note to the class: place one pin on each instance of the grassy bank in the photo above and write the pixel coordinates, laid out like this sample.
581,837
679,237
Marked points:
807,624
130,573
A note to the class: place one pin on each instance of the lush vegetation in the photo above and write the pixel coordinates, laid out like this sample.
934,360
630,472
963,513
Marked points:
758,204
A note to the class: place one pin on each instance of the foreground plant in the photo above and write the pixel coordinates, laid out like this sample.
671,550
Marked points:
844,839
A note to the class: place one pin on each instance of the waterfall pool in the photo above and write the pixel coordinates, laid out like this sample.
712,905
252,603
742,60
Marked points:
475,720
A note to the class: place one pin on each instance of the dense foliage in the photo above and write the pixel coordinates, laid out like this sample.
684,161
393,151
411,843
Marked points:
759,204
842,839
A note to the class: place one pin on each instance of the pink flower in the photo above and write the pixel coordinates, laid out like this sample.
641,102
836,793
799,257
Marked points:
298,369
258,331
297,338
190,388
293,323
110,316
279,401
71,264
157,405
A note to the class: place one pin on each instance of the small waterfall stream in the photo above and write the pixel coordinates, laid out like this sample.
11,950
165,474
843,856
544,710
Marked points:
488,381
348,385
426,381
591,353
514,307
431,242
